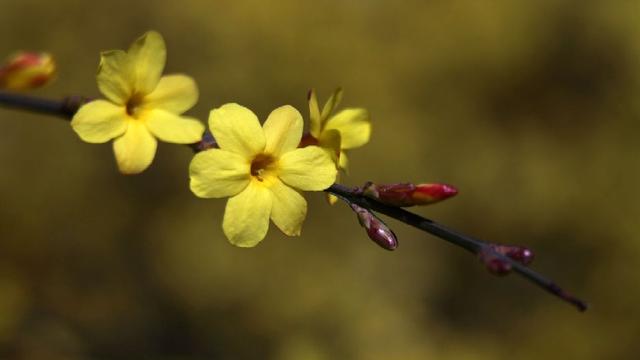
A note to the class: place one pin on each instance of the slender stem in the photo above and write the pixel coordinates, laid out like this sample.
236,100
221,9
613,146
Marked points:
65,108
69,106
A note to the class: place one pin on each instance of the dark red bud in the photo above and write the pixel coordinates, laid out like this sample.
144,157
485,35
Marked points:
407,194
377,230
382,235
517,253
498,267
494,264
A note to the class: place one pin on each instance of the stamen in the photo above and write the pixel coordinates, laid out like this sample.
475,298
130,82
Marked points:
134,102
260,165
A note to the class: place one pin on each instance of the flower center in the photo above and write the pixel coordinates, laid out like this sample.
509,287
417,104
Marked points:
261,166
134,102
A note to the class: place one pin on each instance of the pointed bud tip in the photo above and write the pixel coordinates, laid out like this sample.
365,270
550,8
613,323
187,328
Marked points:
384,237
525,256
449,190
521,254
431,193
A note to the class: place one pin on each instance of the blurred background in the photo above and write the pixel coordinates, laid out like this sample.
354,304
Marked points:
530,108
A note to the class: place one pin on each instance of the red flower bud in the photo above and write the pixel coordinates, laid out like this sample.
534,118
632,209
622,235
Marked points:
377,230
407,194
432,193
494,264
499,266
27,70
517,253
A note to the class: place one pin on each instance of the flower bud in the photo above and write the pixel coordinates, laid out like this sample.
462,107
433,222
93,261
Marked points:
431,193
494,264
27,70
377,230
517,253
407,194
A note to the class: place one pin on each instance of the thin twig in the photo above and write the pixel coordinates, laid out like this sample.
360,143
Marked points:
468,243
70,105
65,108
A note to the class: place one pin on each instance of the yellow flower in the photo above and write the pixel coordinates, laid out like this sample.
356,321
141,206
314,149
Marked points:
261,169
348,129
141,105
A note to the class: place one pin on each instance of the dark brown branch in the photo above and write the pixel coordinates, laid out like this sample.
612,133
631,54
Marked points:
67,107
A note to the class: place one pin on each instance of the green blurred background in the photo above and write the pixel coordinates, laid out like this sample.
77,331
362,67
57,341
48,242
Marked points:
531,108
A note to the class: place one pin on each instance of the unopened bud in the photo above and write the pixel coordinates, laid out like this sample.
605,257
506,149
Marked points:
407,194
27,70
377,230
432,193
517,253
494,264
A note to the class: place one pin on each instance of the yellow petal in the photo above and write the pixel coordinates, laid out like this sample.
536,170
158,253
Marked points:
331,104
354,126
217,173
282,130
289,208
148,56
99,121
135,149
344,162
246,217
237,129
332,199
314,114
174,93
173,128
115,76
308,169
331,140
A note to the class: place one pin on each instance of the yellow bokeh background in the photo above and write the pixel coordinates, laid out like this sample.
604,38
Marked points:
530,108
